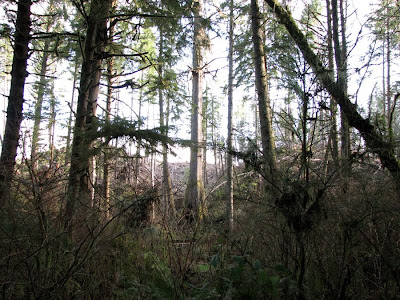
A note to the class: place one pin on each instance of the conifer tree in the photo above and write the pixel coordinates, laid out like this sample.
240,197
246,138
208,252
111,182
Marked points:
195,193
16,98
264,105
374,141
79,184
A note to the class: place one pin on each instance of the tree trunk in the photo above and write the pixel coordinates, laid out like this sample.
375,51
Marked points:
341,66
105,205
264,105
195,194
388,65
166,192
39,104
16,98
373,140
71,112
79,184
214,139
332,145
229,164
304,150
41,89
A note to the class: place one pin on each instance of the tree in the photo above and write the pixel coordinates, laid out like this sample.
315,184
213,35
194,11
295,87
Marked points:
264,105
332,145
39,102
41,87
385,23
105,206
79,184
229,165
195,194
169,203
16,97
374,141
340,51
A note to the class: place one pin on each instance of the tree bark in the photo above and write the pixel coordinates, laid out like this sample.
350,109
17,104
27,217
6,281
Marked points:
340,49
332,145
105,205
229,164
167,195
195,194
16,98
264,105
373,140
79,184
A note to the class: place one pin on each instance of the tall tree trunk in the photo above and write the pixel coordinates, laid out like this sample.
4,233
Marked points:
214,139
388,67
332,145
167,195
105,205
304,116
71,112
16,98
195,194
79,184
166,172
204,171
372,138
41,89
340,47
264,105
229,164
39,103
138,146
52,123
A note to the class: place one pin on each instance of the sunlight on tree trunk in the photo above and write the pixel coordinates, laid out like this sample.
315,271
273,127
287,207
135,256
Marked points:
195,194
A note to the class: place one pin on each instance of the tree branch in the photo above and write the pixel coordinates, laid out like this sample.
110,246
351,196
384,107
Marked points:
373,140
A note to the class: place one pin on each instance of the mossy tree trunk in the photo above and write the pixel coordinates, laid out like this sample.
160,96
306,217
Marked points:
264,105
79,184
